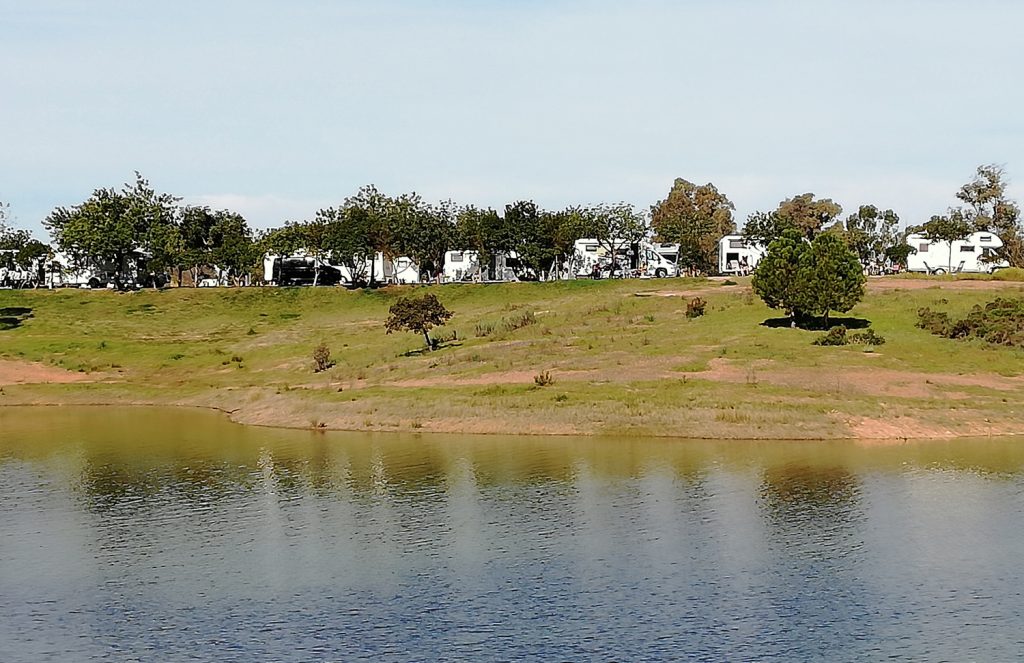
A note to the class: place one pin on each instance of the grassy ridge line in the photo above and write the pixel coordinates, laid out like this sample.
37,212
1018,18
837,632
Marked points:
624,357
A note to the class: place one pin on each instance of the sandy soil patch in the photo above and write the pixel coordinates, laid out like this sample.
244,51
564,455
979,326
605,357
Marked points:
877,284
27,372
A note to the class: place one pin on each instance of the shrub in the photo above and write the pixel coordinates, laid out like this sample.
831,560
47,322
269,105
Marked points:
544,379
695,307
835,336
937,322
526,319
868,337
1000,322
484,329
322,358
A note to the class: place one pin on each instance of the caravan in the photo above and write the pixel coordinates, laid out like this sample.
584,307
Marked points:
738,256
977,253
640,259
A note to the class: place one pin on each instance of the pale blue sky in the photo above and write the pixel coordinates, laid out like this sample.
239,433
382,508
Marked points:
276,108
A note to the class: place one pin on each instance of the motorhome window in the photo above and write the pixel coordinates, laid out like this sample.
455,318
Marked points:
456,257
923,248
591,248
986,238
966,248
735,243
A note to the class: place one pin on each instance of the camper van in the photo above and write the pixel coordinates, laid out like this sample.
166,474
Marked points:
643,259
974,254
738,256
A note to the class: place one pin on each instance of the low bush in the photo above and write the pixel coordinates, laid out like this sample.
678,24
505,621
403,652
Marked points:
322,358
525,319
867,337
544,379
1000,322
695,307
834,336
838,336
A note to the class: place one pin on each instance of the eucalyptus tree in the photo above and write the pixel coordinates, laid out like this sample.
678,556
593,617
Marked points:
990,209
950,227
801,213
873,234
695,217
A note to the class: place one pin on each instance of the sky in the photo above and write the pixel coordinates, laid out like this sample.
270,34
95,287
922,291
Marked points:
275,109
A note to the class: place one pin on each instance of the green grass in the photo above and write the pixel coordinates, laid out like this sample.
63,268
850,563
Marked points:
621,362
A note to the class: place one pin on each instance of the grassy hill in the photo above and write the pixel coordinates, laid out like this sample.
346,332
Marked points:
622,354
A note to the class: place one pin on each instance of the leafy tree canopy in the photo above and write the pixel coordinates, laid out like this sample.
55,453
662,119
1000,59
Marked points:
801,213
417,314
695,217
807,279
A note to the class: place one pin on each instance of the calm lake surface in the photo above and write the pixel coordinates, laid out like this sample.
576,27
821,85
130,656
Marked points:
156,535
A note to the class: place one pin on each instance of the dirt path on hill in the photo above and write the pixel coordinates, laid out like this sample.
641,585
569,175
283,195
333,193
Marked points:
27,372
875,284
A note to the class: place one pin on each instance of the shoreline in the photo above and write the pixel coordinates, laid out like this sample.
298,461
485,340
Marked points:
229,415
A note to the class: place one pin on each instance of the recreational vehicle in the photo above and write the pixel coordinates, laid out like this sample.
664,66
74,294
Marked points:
738,256
641,259
976,253
464,266
301,269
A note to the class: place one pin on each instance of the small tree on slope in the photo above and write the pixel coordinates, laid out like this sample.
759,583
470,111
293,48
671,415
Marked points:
417,314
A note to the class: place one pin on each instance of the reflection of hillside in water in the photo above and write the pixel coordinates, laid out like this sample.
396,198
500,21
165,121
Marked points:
130,455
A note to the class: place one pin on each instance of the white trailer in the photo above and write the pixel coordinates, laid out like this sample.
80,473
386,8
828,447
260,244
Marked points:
641,259
975,254
738,256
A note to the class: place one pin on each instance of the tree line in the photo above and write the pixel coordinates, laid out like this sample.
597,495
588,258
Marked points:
137,229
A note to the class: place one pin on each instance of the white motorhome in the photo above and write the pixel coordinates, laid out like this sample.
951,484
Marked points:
976,254
464,266
301,269
644,259
738,256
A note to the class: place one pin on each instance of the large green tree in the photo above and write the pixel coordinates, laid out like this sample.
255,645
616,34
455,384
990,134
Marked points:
483,231
232,247
695,217
807,279
113,227
534,248
829,277
615,227
367,229
775,278
422,232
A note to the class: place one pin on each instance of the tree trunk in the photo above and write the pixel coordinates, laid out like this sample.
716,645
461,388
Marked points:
426,337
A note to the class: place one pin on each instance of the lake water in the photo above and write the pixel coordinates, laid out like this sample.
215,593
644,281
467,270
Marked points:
156,535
